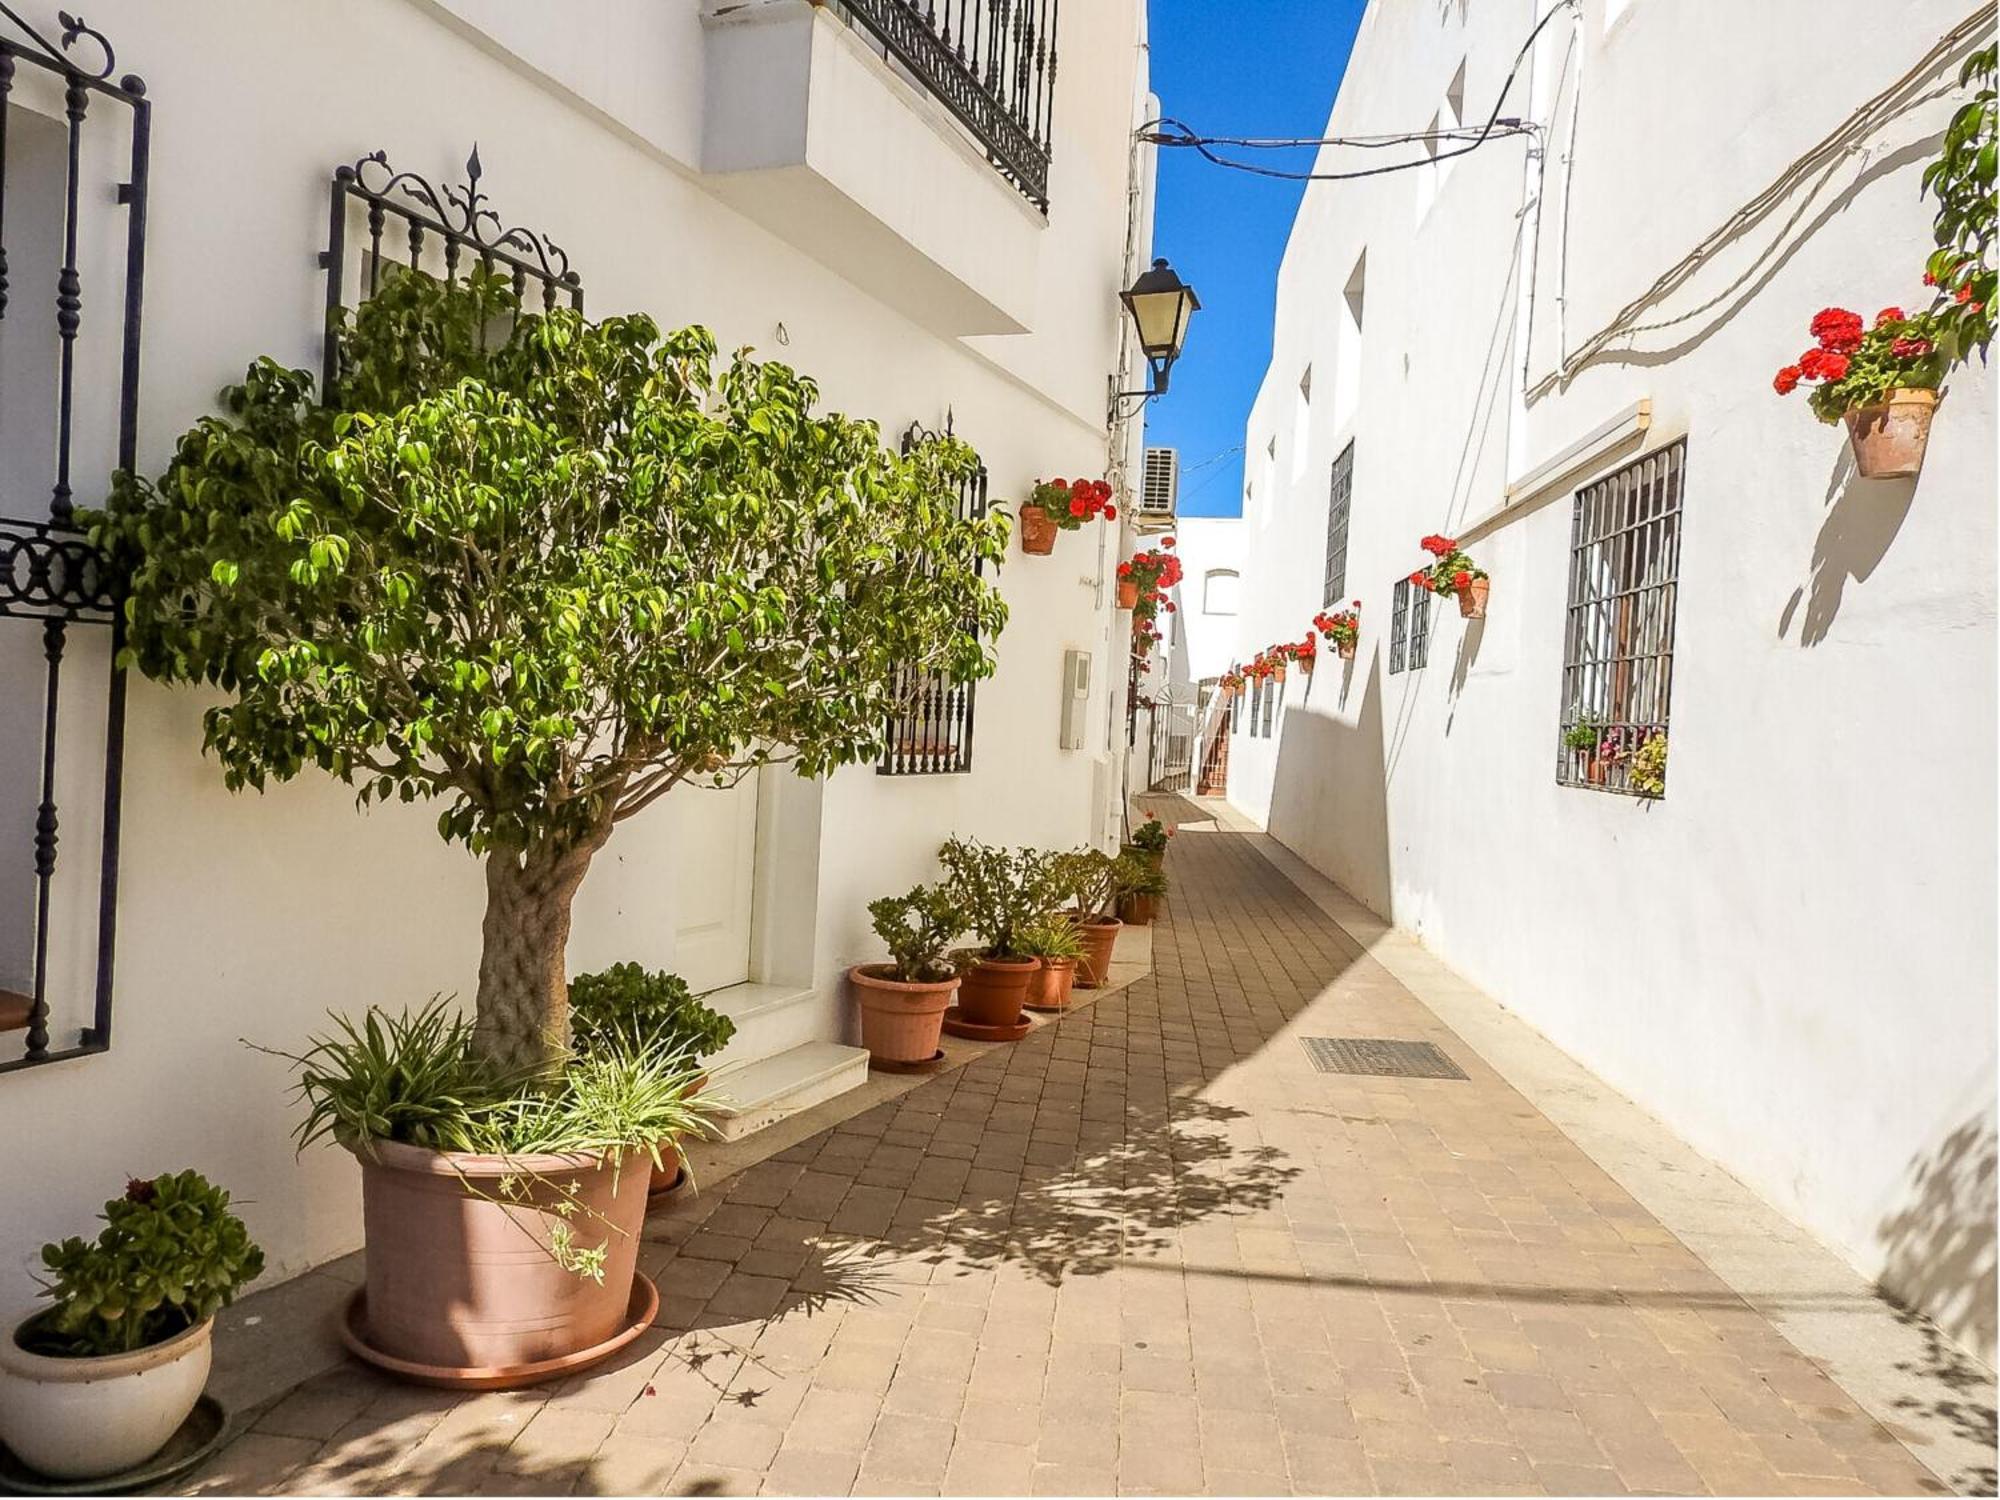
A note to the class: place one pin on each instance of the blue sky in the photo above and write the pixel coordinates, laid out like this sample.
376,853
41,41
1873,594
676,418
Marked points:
1232,67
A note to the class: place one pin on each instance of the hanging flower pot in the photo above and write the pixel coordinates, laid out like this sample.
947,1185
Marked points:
1342,627
1472,598
1889,438
1128,593
1453,574
1038,531
1346,650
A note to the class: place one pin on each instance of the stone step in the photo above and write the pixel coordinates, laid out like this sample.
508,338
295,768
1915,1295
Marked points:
753,1094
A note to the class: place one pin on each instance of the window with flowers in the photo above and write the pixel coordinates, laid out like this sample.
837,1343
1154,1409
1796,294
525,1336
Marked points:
1618,641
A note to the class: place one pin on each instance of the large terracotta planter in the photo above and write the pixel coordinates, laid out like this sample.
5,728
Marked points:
900,1023
1038,531
1093,970
1049,986
1138,910
1472,598
993,990
1889,439
1128,594
460,1277
87,1418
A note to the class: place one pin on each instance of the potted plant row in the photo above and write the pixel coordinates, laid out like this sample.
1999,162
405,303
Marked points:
365,577
97,1384
1453,575
1062,505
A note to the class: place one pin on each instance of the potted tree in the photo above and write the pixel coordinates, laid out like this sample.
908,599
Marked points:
1454,575
628,1001
1091,882
1881,380
1003,890
1062,505
544,583
1056,946
96,1384
903,1002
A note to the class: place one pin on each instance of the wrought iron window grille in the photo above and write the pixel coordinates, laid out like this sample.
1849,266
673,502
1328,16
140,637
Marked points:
1399,627
1618,638
992,63
1340,499
931,735
49,574
1420,628
437,232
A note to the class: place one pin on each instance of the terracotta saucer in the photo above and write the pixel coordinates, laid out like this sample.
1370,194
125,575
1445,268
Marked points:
957,1025
889,1065
666,1197
639,1315
192,1441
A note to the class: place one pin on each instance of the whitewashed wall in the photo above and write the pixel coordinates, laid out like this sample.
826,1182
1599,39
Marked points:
248,917
1790,959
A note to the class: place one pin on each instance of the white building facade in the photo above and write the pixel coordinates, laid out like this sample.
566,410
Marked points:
1558,348
935,247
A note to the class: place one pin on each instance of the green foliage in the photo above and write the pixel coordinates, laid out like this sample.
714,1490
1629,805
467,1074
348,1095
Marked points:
634,1091
409,1077
1582,735
1002,891
547,582
917,929
1052,936
1647,773
170,1255
1900,353
1962,180
626,1000
1091,882
1151,837
1143,878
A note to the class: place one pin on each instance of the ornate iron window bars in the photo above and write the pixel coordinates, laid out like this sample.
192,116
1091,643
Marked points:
48,572
456,216
932,735
992,63
1339,504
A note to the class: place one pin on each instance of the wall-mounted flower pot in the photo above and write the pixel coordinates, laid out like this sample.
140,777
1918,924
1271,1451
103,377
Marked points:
1128,594
87,1418
1050,987
1100,937
1889,439
1278,674
1346,649
993,990
1038,531
1472,598
1595,769
900,1023
462,1288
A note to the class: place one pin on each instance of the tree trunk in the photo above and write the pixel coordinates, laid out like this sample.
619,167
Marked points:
523,1009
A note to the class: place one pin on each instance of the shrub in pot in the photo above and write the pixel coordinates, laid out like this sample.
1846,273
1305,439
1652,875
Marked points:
1002,890
544,583
627,1000
903,1001
1057,947
1091,882
1142,893
97,1383
1580,739
1149,841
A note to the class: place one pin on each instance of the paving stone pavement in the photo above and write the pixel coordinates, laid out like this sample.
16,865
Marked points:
1151,1250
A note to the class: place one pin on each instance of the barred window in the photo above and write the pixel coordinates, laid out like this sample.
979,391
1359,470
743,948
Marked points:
1271,691
1399,627
1339,501
1420,627
1618,643
931,733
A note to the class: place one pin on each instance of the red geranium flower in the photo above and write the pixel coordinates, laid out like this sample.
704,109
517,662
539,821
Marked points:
1910,348
1965,292
1788,380
1837,329
1110,512
1929,280
1166,541
1890,315
1058,484
1078,509
1420,579
1461,580
1833,366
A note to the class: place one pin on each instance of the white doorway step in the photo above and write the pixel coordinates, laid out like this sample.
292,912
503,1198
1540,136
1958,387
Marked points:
781,1059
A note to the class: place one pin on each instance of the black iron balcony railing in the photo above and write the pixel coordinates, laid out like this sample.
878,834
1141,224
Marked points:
992,63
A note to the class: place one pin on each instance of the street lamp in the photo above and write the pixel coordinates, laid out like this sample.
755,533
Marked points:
1161,305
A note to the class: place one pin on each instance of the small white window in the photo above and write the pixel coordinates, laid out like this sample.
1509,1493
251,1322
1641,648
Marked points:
1218,591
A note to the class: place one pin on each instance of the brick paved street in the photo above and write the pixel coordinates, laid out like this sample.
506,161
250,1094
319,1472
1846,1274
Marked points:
1152,1249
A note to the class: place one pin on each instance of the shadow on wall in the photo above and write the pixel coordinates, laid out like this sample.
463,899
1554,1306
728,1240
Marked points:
1329,789
1862,520
1940,1262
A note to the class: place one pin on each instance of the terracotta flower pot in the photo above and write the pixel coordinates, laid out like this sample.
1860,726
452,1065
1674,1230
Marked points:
1278,673
1049,986
1346,649
1472,598
993,990
1138,910
88,1418
1038,531
459,1274
1597,769
900,1023
1889,439
1100,936
668,1172
1128,593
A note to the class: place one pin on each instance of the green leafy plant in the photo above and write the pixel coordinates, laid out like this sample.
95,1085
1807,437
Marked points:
1002,890
1647,772
917,929
1070,503
1452,572
1852,365
1582,735
170,1255
1144,879
626,999
1051,937
1962,180
545,584
408,1076
1151,836
1090,881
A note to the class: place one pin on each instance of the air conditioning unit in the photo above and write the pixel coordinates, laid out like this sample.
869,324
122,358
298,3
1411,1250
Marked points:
1160,490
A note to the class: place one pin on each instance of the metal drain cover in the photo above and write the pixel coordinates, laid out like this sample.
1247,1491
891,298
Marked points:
1379,1057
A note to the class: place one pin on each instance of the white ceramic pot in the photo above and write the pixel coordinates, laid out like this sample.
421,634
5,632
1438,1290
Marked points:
86,1418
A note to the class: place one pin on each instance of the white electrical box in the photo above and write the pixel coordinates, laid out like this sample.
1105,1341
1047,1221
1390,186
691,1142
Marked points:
1076,698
